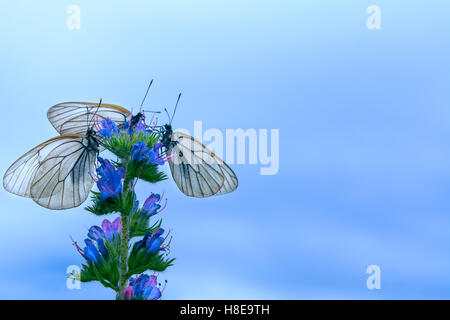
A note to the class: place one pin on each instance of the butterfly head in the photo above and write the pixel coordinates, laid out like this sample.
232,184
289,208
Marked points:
166,136
166,131
90,131
91,138
135,119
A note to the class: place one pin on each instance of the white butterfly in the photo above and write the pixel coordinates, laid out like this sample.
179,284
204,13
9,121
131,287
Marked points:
57,173
197,171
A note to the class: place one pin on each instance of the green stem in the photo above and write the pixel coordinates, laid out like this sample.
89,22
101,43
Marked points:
123,268
125,238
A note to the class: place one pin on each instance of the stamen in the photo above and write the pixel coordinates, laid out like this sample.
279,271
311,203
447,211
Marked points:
165,204
81,251
170,241
162,196
164,288
137,178
93,177
156,122
168,233
98,124
151,121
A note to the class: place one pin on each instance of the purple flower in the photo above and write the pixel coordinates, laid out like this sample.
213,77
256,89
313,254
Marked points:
110,182
108,128
154,156
112,229
145,287
109,230
140,125
140,151
151,205
128,293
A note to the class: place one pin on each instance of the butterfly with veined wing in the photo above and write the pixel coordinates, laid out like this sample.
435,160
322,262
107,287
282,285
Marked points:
56,174
197,171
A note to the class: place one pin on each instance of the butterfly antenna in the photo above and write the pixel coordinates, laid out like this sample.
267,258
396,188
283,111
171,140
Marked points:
168,115
95,113
175,109
143,100
151,111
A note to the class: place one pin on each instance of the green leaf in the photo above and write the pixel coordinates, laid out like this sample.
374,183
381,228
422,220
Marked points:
144,171
140,261
139,224
99,207
123,204
93,272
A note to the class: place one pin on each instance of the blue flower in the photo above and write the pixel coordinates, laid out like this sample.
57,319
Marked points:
154,157
145,287
140,151
151,205
90,251
128,127
151,243
110,182
108,128
95,232
103,164
102,248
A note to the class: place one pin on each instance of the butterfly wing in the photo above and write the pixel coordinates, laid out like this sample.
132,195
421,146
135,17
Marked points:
63,179
197,171
230,181
77,117
19,175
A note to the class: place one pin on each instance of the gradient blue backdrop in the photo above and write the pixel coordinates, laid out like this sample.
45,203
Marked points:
364,119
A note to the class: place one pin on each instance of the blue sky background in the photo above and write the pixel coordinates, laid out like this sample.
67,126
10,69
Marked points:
364,119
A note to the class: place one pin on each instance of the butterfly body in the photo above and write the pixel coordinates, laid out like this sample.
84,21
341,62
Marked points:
166,137
92,140
135,119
